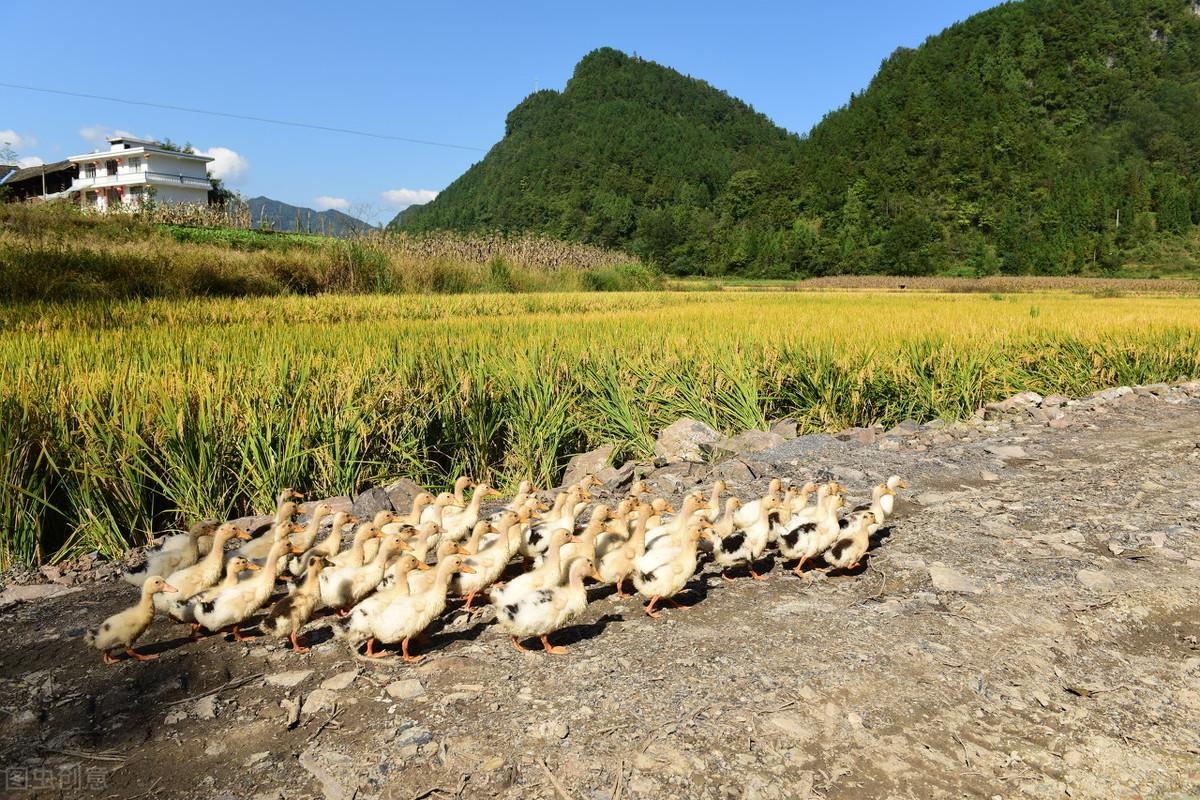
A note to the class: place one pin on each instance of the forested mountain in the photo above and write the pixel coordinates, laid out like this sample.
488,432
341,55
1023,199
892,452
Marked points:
1043,136
279,216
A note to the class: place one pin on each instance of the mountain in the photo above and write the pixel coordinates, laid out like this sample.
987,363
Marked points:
279,216
627,148
1042,136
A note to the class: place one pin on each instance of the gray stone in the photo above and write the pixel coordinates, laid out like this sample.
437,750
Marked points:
1059,423
371,502
206,707
589,463
946,579
339,503
1096,580
792,724
909,427
319,700
289,679
1006,451
746,443
787,427
733,471
340,681
1191,387
410,733
256,525
860,435
617,478
889,443
401,493
31,592
406,689
1055,401
1109,395
681,440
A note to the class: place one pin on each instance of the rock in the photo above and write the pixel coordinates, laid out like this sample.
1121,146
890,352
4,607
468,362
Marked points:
371,502
678,476
791,723
616,479
946,579
407,689
1006,451
290,678
340,681
339,503
331,788
256,758
1109,395
787,427
746,443
552,730
411,734
1059,423
909,427
1055,401
402,492
681,440
734,471
1191,387
206,707
319,700
588,463
860,435
256,525
1096,580
889,444
28,593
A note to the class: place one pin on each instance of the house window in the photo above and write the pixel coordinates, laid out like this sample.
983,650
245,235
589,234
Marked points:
135,164
111,167
89,170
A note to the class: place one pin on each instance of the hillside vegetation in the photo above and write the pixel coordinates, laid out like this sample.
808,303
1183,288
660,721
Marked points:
1038,137
57,252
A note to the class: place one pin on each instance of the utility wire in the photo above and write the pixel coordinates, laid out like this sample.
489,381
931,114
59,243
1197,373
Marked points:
268,120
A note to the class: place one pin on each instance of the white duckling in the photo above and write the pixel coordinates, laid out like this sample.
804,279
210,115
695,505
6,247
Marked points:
235,605
883,500
305,538
712,509
809,539
406,616
291,613
123,628
616,562
234,568
413,518
665,532
447,500
488,562
327,548
190,580
563,515
545,611
257,548
421,581
342,587
177,552
750,512
848,549
457,524
548,574
662,573
382,518
744,545
355,555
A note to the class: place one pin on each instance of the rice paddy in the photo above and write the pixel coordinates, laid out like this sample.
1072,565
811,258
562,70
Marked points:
124,419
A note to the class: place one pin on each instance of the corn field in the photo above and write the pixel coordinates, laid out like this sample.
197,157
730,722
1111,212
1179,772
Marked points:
125,419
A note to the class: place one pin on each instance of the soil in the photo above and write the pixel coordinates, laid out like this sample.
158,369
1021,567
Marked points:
1027,626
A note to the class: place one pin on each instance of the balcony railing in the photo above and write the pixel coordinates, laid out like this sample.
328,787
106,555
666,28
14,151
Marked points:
86,182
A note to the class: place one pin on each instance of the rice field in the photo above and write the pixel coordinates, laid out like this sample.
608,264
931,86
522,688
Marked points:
121,420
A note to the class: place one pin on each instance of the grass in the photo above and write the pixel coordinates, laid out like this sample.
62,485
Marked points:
122,419
57,252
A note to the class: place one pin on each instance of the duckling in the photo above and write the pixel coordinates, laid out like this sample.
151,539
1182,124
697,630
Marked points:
447,500
235,605
190,580
355,556
123,628
234,568
381,518
304,539
456,525
749,512
327,549
563,515
585,545
665,532
420,581
809,539
178,551
744,544
342,587
413,518
488,562
545,611
662,573
616,562
883,499
638,489
712,509
256,549
293,612
548,574
405,616
847,551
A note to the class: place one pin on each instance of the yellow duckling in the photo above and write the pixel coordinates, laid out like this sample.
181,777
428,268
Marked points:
123,628
847,551
177,552
293,612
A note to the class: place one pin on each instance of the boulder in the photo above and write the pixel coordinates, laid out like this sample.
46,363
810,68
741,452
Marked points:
1096,580
677,476
1005,451
743,444
1022,401
616,479
734,471
401,493
909,427
946,579
371,502
681,440
31,592
859,435
589,463
1109,395
1055,401
340,503
788,427
256,525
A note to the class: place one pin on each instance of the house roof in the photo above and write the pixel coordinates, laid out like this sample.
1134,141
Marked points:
25,173
105,155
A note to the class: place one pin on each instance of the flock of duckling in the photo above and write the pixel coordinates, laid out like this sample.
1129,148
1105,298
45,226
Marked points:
393,581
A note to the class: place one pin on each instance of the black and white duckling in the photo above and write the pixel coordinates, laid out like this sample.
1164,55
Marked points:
234,568
235,605
808,540
543,611
406,616
665,532
663,572
744,545
750,511
123,628
566,510
852,543
291,613
883,501
177,552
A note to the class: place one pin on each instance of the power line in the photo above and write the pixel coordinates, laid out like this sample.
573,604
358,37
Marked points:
268,120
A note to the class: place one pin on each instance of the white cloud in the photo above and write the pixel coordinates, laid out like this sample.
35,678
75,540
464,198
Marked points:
226,164
403,198
16,140
325,202
97,134
30,161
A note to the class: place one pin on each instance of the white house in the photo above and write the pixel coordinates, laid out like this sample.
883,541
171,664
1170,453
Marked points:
132,169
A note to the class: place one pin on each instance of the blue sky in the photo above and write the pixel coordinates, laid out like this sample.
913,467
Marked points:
446,72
